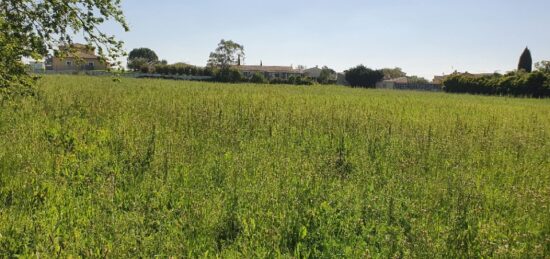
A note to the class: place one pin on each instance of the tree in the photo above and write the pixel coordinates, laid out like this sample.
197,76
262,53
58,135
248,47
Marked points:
34,29
140,57
327,76
543,66
227,54
361,76
417,80
392,73
525,61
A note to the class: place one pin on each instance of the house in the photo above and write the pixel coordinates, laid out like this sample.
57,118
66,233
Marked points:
81,58
270,72
315,73
390,83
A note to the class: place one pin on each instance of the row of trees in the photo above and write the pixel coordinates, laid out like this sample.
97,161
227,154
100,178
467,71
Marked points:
176,69
523,82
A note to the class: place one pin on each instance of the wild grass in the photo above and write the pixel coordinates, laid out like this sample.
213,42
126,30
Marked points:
143,168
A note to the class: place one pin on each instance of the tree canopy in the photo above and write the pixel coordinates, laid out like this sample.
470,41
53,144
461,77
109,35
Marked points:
140,57
543,66
227,54
144,53
327,76
34,29
361,76
526,61
392,73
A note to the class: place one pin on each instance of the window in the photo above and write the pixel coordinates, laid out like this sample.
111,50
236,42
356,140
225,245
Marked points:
69,63
91,65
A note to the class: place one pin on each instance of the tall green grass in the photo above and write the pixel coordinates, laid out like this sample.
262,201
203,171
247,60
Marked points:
97,168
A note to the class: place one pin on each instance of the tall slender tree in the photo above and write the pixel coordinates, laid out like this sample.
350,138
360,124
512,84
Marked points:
525,61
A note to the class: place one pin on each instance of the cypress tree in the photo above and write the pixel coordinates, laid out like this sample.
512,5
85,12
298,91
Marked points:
525,61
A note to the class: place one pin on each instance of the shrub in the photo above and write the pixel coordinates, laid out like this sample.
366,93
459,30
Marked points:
228,75
519,83
361,76
258,78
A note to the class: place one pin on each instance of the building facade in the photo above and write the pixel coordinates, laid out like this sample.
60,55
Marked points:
81,59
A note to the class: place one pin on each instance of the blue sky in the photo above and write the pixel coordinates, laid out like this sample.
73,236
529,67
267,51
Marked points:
424,37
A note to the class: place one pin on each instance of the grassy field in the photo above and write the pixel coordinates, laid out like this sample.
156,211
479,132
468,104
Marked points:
99,168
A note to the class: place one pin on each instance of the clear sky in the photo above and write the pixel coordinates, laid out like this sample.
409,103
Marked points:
424,37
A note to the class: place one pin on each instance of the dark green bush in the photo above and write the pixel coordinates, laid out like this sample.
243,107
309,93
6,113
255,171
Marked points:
258,78
293,80
229,75
361,76
536,84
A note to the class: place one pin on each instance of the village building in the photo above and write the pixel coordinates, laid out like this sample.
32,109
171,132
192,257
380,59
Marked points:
390,83
82,58
315,73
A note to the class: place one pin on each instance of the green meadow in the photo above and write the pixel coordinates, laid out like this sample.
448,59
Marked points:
93,167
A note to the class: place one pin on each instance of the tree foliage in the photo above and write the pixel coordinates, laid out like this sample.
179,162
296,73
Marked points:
258,78
327,76
140,57
227,75
227,54
543,66
526,61
392,73
361,76
34,29
179,69
417,80
535,84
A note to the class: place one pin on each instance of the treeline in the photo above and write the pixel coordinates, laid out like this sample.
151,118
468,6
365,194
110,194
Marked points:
177,69
233,75
521,83
230,75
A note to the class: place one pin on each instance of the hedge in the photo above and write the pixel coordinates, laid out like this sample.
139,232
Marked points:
535,84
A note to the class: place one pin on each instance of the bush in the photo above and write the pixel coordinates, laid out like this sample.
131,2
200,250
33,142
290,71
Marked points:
258,78
536,84
228,75
303,81
294,80
361,76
